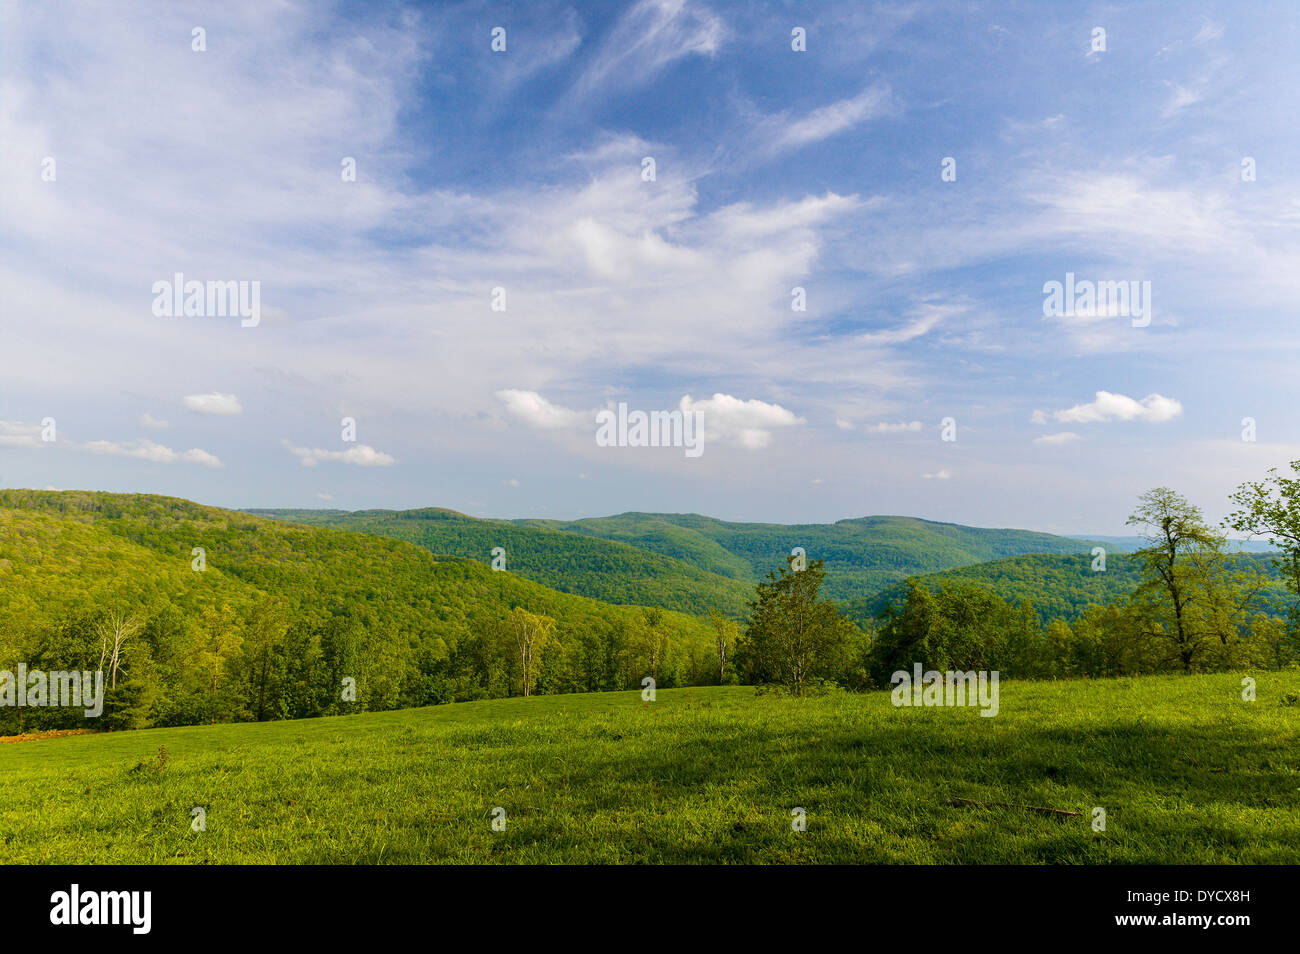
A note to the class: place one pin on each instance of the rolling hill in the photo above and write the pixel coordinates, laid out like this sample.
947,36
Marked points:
279,610
607,570
691,562
1059,586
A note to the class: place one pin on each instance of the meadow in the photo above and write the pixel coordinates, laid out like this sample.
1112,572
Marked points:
1186,771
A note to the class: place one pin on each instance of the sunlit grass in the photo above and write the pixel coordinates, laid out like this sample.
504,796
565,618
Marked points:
1186,771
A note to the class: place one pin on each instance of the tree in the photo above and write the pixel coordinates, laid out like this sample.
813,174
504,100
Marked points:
653,639
793,638
113,631
962,626
263,661
1271,508
532,634
1183,596
725,633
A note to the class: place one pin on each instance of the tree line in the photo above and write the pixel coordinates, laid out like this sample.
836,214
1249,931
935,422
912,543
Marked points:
1193,609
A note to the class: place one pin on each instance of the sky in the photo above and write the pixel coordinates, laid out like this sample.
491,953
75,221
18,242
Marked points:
462,251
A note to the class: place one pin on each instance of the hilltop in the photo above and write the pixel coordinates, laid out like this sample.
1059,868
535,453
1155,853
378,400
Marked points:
692,562
279,613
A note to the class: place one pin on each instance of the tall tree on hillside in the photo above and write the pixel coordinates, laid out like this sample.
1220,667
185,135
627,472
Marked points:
725,632
532,633
655,639
792,637
114,630
1185,593
1271,508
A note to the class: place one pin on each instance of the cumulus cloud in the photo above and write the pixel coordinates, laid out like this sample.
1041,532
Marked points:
149,450
746,423
359,455
534,410
213,403
1154,409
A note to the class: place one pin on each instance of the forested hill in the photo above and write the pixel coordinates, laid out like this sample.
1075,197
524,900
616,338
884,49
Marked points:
862,555
610,571
1061,586
284,607
691,562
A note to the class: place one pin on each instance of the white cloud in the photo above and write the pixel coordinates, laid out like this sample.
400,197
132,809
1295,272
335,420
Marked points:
213,403
1061,437
930,315
534,410
902,427
150,451
746,423
360,455
1153,408
196,456
828,120
647,38
19,434
148,420
944,474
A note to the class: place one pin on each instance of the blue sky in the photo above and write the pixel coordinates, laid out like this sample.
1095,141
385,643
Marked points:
774,169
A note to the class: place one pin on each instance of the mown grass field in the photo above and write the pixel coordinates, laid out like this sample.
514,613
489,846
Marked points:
1186,770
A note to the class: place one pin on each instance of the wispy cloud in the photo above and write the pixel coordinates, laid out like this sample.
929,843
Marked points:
787,133
359,455
150,451
650,36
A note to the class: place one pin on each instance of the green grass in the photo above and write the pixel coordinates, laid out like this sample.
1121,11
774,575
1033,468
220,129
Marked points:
1187,773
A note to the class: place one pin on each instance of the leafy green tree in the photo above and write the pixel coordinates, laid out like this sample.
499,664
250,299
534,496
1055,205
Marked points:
1185,597
1271,508
792,637
726,631
960,627
533,635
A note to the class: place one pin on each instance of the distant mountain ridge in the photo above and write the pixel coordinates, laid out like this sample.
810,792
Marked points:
691,562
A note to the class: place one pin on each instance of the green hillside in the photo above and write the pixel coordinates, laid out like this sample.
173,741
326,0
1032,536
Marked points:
610,571
1185,770
1061,587
862,555
282,613
689,562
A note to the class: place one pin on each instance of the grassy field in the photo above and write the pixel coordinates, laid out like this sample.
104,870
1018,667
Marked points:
1186,771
